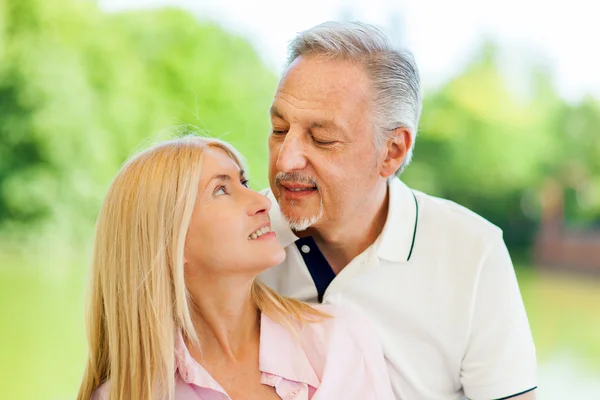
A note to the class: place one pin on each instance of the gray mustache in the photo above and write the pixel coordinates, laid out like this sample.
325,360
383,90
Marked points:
295,177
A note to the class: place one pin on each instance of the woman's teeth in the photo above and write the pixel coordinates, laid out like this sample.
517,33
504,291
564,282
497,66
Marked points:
260,232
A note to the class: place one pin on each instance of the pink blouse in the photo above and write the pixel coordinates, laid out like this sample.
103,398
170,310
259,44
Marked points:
337,358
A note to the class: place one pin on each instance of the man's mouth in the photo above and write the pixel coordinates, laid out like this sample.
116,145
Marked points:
295,188
295,185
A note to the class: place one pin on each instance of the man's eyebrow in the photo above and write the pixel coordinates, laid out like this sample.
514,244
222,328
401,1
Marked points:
330,125
275,112
318,124
323,124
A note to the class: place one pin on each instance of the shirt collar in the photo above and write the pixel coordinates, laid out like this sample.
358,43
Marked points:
280,354
400,229
396,241
189,370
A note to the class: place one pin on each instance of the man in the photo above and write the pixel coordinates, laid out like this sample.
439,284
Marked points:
435,278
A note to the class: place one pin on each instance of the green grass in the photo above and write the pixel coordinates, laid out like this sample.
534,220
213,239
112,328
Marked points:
564,313
42,343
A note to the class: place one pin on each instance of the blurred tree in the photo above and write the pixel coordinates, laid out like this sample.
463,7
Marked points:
79,89
487,148
576,164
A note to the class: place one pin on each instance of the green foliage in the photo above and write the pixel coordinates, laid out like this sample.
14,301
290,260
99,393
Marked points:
577,163
490,149
80,89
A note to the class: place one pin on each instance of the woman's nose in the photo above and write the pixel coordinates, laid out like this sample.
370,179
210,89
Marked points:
259,204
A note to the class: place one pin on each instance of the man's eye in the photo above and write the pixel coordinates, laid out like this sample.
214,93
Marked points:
323,142
279,132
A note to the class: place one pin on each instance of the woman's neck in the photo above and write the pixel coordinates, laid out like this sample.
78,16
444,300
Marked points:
226,320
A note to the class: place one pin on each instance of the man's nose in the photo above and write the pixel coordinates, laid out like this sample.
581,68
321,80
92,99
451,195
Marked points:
292,155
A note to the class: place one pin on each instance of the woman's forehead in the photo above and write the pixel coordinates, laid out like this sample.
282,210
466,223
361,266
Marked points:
217,160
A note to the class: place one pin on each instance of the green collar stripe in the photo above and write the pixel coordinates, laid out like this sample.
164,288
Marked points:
412,245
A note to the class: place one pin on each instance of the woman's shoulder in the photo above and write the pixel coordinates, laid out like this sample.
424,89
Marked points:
101,392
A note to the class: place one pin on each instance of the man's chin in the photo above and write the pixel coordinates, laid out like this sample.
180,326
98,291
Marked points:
300,223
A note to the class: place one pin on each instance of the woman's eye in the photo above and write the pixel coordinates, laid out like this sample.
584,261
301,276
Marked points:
220,191
246,183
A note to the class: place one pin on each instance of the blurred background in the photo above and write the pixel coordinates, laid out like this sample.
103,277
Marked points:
510,129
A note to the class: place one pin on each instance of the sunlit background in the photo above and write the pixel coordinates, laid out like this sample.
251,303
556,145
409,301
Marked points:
510,129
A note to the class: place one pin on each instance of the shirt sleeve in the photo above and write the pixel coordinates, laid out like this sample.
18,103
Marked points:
500,359
355,366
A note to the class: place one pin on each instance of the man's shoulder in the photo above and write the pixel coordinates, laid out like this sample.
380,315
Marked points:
448,217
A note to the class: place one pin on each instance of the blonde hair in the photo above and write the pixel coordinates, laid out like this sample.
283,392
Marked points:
138,298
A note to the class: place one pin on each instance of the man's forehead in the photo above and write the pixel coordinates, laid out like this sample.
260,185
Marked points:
318,117
324,79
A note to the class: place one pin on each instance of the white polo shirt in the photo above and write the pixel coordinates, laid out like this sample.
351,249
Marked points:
441,290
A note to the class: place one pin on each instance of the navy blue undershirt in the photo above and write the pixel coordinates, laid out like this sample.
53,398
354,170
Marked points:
317,265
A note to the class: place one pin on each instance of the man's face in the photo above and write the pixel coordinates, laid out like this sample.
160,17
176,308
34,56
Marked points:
323,165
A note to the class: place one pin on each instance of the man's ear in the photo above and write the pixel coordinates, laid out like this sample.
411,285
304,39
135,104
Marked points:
396,150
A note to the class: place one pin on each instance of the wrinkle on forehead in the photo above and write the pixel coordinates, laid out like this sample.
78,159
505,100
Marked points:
316,89
326,78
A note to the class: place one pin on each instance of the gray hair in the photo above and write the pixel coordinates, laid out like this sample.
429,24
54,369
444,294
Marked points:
393,73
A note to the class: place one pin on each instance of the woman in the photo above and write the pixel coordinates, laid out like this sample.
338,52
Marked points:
175,310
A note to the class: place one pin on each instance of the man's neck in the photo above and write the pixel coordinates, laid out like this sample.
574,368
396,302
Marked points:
340,243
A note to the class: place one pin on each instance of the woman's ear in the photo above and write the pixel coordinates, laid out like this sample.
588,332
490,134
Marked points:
188,271
186,264
396,150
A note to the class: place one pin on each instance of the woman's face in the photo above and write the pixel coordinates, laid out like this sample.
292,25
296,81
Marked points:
230,230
